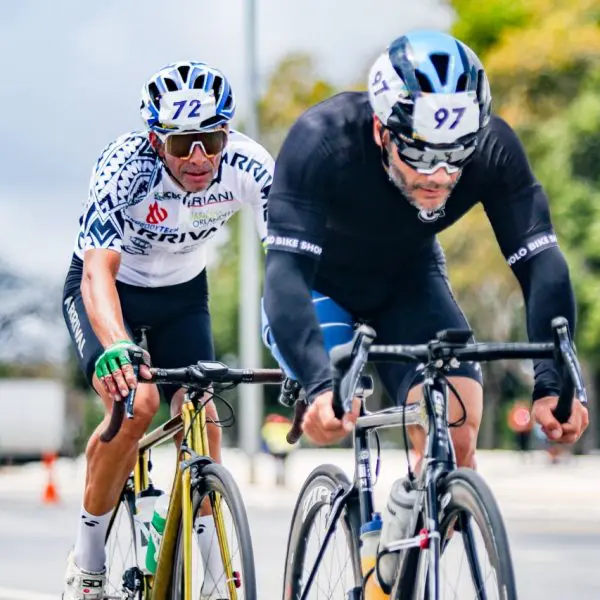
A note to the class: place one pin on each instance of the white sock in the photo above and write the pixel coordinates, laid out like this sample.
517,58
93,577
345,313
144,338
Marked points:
89,553
214,572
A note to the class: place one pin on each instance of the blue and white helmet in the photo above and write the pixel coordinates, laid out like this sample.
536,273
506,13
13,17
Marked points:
187,96
430,89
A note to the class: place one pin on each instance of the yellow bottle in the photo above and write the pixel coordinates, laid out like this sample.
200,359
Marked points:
369,540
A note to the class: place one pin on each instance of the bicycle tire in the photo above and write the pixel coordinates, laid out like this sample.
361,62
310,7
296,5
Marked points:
310,500
467,493
123,513
215,478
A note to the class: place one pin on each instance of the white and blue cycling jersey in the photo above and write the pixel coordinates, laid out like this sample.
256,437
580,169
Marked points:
136,208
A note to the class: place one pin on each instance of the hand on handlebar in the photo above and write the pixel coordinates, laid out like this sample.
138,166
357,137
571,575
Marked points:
114,368
320,423
565,433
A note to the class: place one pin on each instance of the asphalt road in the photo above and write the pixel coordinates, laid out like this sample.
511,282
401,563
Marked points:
554,559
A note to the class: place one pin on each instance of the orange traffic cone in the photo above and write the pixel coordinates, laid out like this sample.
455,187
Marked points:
50,495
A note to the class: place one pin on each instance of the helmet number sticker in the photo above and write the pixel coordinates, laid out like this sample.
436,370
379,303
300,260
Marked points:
194,105
379,84
443,118
442,114
187,108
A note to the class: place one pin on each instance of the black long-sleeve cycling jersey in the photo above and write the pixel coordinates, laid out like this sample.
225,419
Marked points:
337,224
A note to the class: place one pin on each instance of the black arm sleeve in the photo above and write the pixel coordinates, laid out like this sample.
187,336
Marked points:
297,215
293,320
548,293
518,210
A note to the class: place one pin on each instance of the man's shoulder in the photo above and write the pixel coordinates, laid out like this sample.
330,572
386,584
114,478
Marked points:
335,118
245,158
330,135
124,164
498,133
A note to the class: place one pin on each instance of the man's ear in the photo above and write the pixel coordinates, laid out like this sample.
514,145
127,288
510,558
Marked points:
156,144
378,131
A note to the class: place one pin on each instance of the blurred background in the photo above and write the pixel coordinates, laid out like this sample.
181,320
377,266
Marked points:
72,73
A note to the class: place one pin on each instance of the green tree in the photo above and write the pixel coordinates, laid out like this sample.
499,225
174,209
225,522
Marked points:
293,87
543,61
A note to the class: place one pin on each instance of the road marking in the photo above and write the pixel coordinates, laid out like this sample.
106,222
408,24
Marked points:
8,594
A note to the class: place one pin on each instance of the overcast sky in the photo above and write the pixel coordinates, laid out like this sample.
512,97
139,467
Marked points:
72,73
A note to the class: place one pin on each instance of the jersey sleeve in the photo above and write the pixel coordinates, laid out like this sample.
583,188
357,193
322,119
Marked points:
519,213
298,196
514,201
103,220
257,186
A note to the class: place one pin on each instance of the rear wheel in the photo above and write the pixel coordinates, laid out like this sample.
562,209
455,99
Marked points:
216,485
339,569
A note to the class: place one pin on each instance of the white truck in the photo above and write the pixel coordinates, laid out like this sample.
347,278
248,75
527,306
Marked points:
33,418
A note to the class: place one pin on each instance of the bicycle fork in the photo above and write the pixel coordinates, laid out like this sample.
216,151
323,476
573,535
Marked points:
200,446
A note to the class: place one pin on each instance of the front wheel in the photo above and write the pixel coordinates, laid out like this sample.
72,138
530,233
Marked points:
338,571
475,560
213,576
122,570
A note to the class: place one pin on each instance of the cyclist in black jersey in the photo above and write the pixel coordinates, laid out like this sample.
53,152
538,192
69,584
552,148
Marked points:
362,185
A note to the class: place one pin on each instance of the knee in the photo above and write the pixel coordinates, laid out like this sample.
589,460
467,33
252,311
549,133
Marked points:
464,439
147,401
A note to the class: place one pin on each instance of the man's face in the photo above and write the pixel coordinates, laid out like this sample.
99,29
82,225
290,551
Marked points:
194,172
427,192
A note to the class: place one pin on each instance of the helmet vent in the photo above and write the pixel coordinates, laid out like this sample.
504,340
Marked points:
154,92
183,71
461,84
440,62
171,85
424,82
199,83
217,85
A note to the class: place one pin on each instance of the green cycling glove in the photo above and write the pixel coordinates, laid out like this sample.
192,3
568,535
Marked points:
117,356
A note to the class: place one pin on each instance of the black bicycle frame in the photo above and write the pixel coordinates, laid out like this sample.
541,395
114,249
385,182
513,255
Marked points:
439,459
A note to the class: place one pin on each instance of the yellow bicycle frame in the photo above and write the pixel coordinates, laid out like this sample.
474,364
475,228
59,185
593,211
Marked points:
193,421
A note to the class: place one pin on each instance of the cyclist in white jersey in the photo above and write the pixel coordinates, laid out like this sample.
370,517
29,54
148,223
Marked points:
156,197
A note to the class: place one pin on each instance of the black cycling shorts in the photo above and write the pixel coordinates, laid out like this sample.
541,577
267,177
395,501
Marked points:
419,309
424,306
177,316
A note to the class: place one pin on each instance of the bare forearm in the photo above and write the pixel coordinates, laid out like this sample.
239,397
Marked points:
103,307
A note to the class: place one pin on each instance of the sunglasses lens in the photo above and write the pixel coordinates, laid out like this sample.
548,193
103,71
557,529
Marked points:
427,159
181,145
213,142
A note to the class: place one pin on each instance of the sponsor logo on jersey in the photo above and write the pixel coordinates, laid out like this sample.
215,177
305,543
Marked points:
174,238
167,195
138,246
133,223
206,218
207,199
283,242
429,216
249,165
533,247
156,214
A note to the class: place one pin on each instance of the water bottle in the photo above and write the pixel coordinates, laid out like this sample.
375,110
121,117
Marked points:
157,528
396,520
144,509
369,541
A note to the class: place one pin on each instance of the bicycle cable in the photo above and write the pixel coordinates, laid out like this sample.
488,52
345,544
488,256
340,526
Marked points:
228,421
